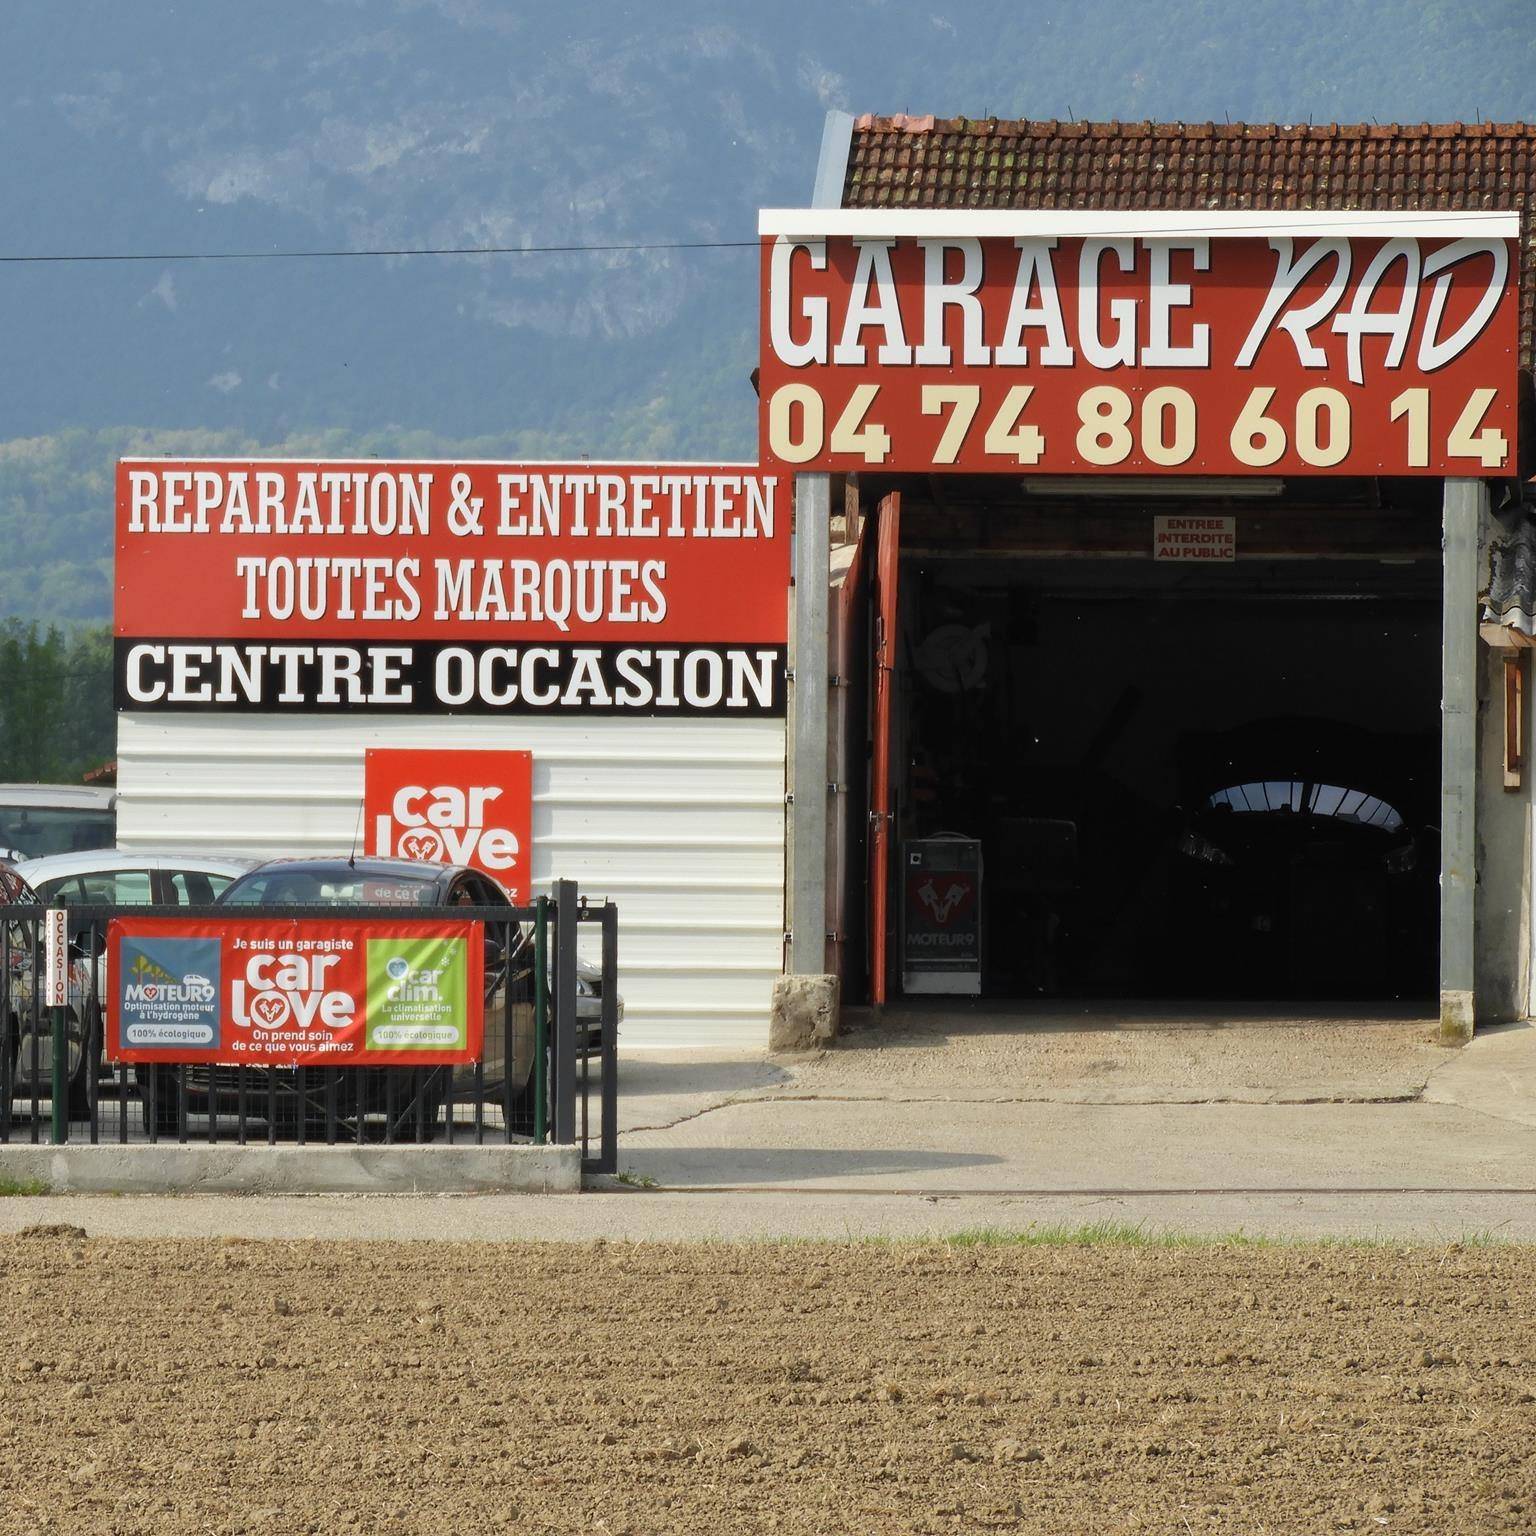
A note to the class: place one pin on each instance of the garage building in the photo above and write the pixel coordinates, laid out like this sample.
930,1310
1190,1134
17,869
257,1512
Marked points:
1196,735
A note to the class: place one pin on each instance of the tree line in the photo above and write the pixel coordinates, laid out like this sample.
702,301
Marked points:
56,714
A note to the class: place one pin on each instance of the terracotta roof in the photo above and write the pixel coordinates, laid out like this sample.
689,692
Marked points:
926,162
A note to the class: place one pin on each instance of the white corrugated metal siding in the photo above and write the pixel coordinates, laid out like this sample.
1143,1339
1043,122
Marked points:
680,822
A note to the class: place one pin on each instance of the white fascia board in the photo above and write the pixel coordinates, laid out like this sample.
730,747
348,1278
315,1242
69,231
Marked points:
643,467
1010,223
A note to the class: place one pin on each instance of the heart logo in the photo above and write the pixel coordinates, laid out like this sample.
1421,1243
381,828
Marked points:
151,993
421,843
269,1008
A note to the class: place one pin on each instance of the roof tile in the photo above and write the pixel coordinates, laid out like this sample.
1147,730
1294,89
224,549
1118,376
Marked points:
928,162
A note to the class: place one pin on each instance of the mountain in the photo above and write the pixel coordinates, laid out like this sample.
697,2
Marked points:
338,125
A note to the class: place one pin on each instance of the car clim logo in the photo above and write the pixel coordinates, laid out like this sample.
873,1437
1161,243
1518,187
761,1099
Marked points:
281,991
450,807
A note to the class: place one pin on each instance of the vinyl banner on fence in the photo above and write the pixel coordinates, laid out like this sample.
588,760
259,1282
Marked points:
993,343
310,992
281,587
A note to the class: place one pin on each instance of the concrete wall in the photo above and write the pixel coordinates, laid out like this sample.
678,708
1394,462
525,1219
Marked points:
678,821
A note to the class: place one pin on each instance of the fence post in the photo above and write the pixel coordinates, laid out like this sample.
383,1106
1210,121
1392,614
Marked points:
609,1055
541,1020
7,1031
59,1088
57,957
565,1011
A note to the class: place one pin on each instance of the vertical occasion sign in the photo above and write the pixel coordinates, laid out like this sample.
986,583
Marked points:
56,959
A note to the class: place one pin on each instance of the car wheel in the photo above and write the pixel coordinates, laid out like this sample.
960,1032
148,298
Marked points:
78,1102
434,1098
518,1105
161,1119
80,1096
88,1072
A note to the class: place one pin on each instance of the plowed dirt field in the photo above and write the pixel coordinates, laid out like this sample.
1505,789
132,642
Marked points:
403,1387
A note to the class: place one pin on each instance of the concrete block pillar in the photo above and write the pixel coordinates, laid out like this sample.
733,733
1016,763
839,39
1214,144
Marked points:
1466,503
809,808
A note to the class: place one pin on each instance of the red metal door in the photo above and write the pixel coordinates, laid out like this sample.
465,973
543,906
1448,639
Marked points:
848,722
887,567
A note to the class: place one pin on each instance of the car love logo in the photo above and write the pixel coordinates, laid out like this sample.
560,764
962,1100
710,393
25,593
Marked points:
444,823
421,843
286,989
451,806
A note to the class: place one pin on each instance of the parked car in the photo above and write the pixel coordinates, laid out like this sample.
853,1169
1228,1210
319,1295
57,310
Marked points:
37,820
364,1093
404,882
92,877
128,878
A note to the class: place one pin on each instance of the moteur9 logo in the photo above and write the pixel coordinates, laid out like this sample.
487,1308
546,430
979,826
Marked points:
470,808
282,990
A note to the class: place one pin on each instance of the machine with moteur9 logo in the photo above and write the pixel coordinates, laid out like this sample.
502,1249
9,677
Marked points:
941,915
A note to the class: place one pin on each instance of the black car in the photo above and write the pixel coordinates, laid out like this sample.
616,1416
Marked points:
411,1099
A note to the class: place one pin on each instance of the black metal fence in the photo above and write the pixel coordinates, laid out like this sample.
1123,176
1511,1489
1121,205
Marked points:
547,1071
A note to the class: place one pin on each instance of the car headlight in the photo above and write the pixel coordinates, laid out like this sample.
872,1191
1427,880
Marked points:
584,987
1193,846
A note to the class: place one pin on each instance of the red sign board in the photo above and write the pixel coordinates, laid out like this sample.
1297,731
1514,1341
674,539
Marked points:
408,588
1335,354
451,807
252,991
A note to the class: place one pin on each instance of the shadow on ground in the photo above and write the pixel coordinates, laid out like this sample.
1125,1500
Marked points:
683,1167
923,1022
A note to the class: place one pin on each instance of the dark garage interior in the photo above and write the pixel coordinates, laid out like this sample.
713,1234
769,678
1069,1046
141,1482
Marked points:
1188,779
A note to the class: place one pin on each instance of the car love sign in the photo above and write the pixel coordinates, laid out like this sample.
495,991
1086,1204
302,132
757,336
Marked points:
452,807
295,993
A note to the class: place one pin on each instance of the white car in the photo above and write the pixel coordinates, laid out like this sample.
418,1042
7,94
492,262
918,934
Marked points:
39,820
93,877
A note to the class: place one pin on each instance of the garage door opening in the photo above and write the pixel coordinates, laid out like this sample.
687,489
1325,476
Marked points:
1203,778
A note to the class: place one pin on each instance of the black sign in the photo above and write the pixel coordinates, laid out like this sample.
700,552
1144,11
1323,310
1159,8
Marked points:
448,678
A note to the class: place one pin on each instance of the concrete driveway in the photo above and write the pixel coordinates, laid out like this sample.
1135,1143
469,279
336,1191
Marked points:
1216,1118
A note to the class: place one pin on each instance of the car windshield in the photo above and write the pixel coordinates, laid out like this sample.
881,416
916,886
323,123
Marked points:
338,887
35,831
1316,799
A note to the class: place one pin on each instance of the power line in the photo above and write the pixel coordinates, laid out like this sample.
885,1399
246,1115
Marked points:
1320,220
445,250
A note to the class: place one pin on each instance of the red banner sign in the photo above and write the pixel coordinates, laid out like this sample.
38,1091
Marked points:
278,586
251,991
1338,354
452,807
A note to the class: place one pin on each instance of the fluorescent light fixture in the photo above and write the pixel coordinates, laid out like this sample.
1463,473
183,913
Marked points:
1158,487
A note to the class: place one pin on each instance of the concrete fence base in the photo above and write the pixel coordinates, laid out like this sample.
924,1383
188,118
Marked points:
172,1168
